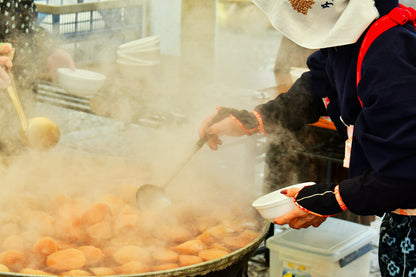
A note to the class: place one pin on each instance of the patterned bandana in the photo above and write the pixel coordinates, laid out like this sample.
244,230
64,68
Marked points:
318,24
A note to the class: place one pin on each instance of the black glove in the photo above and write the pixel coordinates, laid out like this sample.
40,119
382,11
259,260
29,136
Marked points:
251,122
320,199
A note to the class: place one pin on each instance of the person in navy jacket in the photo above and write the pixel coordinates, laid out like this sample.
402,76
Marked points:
377,115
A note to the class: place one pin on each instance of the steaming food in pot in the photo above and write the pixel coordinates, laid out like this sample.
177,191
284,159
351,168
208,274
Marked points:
81,236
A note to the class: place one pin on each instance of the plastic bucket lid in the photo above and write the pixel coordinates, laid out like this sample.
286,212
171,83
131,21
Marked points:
334,239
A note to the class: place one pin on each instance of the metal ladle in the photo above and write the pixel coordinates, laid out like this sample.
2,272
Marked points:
39,132
150,196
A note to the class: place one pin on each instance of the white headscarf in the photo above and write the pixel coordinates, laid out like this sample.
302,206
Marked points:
318,24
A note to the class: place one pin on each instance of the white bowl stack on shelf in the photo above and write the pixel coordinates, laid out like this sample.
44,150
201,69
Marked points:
139,59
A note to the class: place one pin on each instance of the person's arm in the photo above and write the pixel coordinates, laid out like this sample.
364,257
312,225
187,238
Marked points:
291,110
294,109
302,104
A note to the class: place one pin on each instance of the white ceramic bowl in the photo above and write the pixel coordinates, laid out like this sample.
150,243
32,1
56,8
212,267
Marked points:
131,58
131,61
275,204
138,47
138,71
152,54
80,82
145,42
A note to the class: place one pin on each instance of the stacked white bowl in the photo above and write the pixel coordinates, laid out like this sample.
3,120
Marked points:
139,58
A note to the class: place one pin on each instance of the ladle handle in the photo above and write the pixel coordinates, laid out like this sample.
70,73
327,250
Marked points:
198,146
200,143
16,102
218,117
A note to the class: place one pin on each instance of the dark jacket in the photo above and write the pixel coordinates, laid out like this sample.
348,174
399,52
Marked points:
383,158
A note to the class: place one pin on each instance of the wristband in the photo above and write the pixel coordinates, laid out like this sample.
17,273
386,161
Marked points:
339,199
250,122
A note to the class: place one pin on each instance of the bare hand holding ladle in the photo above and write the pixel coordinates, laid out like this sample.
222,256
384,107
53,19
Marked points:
39,133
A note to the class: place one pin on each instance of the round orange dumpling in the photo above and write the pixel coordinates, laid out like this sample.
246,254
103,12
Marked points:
13,259
212,253
164,267
31,271
100,231
190,247
185,260
102,271
14,242
133,267
93,254
76,272
96,213
131,253
67,259
45,246
163,255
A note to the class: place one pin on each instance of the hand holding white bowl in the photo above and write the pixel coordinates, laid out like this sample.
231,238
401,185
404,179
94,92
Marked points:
298,218
279,207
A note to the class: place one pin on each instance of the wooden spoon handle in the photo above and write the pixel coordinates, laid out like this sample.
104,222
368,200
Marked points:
16,102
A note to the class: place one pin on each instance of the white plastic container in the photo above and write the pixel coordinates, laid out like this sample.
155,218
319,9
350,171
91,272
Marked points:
275,204
336,248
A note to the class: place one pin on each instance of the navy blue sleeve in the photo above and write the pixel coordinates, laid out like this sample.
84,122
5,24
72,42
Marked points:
321,86
298,106
371,194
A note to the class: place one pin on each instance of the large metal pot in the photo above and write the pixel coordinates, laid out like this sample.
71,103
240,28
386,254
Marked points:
226,266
